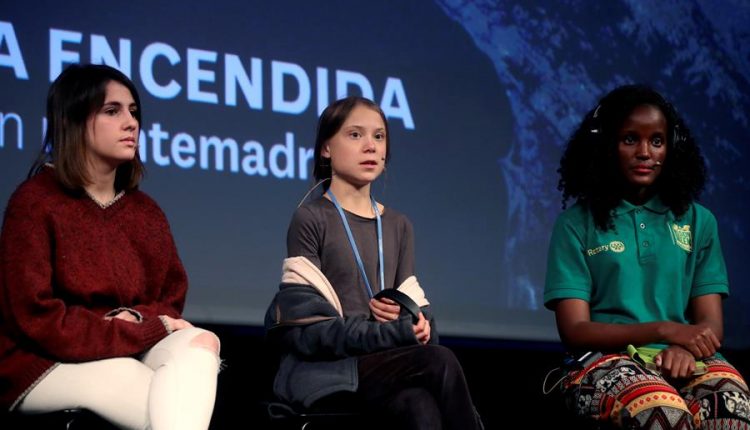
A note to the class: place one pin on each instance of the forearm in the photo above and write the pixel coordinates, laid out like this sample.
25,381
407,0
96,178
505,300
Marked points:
585,335
78,337
716,326
74,333
338,337
706,311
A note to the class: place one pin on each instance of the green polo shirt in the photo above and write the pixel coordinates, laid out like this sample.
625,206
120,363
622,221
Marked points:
646,269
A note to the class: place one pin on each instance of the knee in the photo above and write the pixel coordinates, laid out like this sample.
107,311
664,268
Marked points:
207,340
439,365
661,416
440,357
728,406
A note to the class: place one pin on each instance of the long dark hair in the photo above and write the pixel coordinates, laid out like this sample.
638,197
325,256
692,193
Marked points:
589,170
77,93
330,122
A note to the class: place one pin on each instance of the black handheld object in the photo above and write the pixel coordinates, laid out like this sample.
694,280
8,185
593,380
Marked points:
402,299
583,361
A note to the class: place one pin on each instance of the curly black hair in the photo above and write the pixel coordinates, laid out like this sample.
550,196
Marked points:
589,170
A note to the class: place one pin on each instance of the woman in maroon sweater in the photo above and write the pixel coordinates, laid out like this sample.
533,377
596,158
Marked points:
91,286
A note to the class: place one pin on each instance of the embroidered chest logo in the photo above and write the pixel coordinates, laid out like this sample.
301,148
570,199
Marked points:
682,237
614,246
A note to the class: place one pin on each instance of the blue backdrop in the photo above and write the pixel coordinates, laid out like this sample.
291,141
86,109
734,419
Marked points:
480,95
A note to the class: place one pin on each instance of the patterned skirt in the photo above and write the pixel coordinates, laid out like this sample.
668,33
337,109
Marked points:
620,392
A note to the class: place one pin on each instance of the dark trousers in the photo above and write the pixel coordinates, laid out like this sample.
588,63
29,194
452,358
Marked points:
416,387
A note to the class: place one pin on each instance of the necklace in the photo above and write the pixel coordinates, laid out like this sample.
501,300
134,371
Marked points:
107,204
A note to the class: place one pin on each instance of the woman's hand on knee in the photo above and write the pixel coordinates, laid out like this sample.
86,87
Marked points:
175,324
422,329
675,362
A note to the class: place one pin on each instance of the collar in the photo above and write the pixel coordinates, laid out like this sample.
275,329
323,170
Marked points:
655,204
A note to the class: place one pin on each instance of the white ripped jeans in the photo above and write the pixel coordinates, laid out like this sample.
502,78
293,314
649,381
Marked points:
171,387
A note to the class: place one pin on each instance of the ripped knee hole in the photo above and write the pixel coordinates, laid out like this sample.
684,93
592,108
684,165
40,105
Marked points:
208,341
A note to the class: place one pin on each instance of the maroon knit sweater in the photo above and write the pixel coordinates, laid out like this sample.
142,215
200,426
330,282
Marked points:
64,264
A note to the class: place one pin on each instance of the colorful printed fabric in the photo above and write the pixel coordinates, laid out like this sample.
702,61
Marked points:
617,390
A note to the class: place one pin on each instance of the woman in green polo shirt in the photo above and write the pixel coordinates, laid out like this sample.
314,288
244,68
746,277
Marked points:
635,273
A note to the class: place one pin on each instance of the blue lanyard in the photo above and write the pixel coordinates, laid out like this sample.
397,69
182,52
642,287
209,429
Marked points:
354,245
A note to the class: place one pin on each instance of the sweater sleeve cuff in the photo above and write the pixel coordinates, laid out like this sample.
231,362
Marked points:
164,322
154,330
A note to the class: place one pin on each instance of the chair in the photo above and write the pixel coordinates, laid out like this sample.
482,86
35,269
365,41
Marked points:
328,416
69,419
